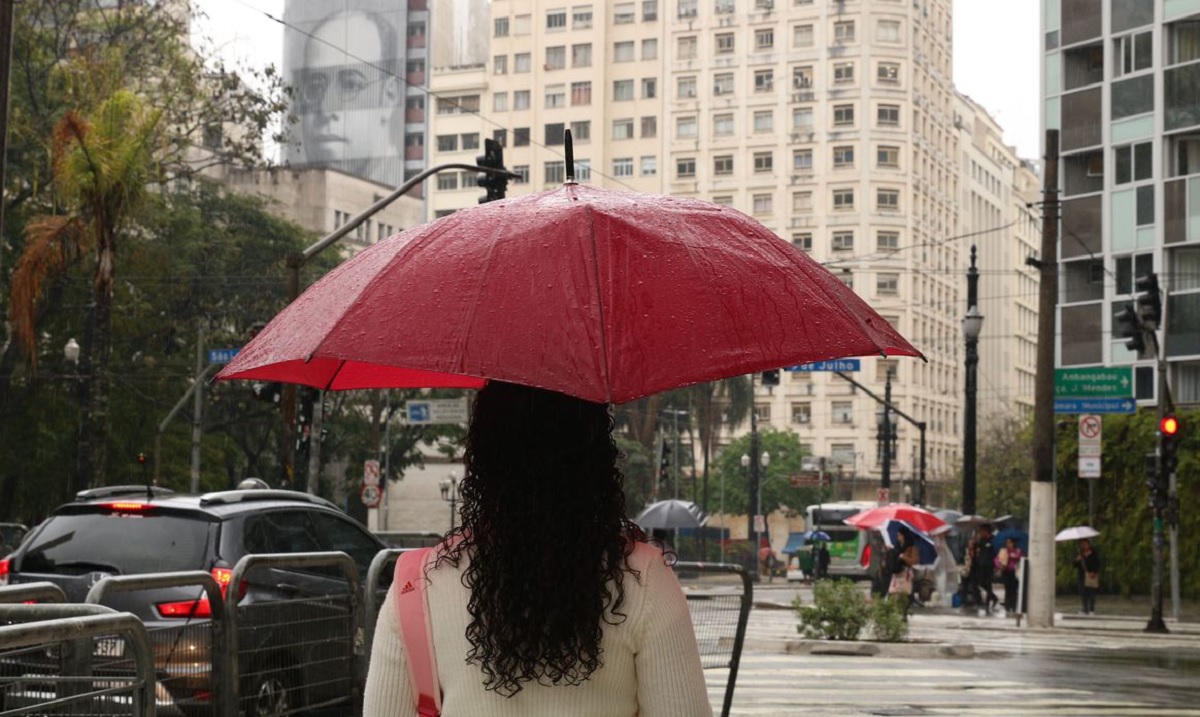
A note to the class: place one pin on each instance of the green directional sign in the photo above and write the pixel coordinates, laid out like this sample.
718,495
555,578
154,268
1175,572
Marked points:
1094,382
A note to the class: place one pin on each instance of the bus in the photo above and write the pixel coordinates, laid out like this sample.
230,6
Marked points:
846,543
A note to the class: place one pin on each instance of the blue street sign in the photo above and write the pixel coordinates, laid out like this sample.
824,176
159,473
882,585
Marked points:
833,365
1095,405
418,412
222,355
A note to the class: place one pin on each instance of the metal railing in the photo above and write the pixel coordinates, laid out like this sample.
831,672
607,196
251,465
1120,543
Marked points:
383,563
32,592
719,598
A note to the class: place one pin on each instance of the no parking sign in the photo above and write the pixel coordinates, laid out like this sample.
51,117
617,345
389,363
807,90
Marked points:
1089,445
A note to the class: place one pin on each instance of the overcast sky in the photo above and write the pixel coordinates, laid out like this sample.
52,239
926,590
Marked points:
995,54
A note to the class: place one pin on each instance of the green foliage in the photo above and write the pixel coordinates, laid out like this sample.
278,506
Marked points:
887,618
638,466
839,611
1004,467
777,491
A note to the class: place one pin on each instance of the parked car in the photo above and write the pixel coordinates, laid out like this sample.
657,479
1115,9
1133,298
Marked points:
11,535
129,530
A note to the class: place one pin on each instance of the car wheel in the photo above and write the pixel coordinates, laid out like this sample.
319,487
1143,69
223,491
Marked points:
271,694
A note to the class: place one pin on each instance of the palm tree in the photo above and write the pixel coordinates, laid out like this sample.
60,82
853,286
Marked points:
725,402
103,158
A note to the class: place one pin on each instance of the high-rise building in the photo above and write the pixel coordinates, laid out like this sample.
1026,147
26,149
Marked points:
1119,84
832,122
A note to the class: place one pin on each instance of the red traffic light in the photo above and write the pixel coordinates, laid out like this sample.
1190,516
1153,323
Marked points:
1169,426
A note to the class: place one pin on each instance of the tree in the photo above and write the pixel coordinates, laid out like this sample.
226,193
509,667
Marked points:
1005,464
731,480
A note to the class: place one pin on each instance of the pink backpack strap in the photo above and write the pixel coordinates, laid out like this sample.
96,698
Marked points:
416,629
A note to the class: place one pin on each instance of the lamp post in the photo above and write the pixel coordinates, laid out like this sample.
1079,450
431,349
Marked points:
756,488
972,324
449,489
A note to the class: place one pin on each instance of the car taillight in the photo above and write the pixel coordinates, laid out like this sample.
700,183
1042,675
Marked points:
223,577
186,608
4,563
125,506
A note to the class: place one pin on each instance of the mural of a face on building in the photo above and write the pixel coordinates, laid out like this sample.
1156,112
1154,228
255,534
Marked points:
349,96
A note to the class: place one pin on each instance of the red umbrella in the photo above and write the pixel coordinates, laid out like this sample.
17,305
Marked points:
604,295
877,518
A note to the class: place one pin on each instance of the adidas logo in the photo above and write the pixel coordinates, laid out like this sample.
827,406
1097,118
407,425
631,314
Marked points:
408,587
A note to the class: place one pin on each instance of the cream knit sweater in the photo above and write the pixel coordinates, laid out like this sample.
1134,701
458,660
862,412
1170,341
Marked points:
651,665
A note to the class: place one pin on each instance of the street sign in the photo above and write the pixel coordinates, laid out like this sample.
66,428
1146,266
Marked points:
436,410
834,365
1093,382
883,496
760,524
808,479
222,355
371,472
1090,426
371,496
1095,405
1089,466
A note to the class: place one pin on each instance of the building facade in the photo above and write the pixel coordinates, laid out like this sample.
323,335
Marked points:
1119,84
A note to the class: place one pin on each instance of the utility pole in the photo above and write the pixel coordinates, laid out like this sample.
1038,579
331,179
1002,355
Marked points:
885,442
1042,505
197,411
7,11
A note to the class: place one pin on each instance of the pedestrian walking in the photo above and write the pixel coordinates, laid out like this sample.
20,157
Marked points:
1007,560
546,601
901,558
1087,562
984,566
822,561
967,588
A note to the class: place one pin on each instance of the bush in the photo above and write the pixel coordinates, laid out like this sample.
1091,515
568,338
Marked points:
839,611
887,618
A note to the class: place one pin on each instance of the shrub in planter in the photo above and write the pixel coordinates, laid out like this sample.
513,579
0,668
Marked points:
887,618
838,611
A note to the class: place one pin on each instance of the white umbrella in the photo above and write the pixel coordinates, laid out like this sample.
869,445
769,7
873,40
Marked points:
1077,533
668,514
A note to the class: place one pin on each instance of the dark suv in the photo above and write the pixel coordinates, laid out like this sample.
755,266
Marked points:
288,651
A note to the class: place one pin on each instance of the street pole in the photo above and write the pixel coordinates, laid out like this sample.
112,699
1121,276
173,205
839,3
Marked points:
972,324
753,471
1042,505
885,439
7,9
197,411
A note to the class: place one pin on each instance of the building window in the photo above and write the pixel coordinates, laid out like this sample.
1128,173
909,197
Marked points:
887,200
447,143
843,199
801,412
802,77
556,57
581,93
500,102
802,203
555,172
725,43
650,49
522,62
802,36
685,168
522,172
764,161
686,127
624,13
1134,162
887,157
723,164
581,131
842,411
447,181
622,90
843,73
887,284
843,240
843,31
723,200
802,160
764,121
888,115
470,140
764,80
649,88
649,126
583,170
687,8
888,73
723,125
500,64
802,241
763,204
1132,53
685,87
522,100
500,27
520,136
685,48
581,17
649,166
623,167
887,31
581,55
555,133
723,83
887,240
764,39
649,10
843,157
556,96
802,119
623,129
843,115
624,51
724,7
556,20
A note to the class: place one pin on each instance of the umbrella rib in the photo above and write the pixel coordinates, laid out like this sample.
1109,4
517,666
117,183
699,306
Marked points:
591,215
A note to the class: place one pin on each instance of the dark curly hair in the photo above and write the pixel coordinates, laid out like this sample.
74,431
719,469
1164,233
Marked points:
543,519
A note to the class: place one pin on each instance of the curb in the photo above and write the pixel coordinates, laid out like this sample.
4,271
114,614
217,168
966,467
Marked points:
859,648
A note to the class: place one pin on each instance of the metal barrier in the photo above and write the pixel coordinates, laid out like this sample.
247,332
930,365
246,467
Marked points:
54,660
719,598
410,538
32,592
295,630
190,679
382,564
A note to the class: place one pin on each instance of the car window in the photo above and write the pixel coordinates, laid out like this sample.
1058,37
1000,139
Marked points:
280,531
126,544
343,535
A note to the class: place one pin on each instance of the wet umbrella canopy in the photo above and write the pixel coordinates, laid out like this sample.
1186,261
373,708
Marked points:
668,514
877,518
603,295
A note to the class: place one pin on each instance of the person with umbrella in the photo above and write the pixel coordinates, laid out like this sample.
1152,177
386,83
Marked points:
1087,562
545,600
984,566
901,558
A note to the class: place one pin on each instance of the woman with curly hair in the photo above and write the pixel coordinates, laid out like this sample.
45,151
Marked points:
546,601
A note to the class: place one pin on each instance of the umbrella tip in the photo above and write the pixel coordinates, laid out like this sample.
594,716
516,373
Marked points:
569,148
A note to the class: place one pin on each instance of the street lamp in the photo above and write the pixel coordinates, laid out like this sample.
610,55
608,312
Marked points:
449,488
71,352
972,325
756,483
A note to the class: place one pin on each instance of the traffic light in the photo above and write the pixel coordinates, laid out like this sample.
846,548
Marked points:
1129,328
1149,301
771,377
1168,429
495,183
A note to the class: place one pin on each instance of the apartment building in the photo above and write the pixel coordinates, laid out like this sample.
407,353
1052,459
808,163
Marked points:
1119,83
832,122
